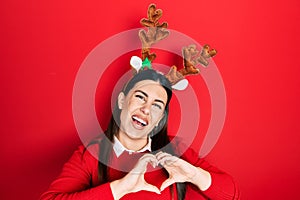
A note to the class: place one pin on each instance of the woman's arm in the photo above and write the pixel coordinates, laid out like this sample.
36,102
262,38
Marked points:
75,180
78,174
209,180
222,185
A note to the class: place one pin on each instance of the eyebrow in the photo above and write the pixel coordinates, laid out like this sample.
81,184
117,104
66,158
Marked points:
144,93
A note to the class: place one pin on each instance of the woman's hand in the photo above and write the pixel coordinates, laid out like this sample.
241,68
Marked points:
134,181
181,171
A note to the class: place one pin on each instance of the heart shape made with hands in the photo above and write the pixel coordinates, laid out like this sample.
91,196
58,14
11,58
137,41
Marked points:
178,170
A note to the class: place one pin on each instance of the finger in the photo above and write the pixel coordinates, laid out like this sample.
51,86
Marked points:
143,162
147,155
162,157
167,160
166,184
161,154
150,158
151,188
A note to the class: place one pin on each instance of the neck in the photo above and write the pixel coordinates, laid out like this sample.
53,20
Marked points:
133,144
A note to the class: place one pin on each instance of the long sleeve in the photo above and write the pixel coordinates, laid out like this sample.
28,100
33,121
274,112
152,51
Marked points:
77,179
223,187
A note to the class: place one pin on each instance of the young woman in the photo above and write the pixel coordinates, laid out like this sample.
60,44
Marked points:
135,157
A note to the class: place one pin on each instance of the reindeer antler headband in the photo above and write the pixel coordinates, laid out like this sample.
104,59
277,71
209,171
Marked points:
156,32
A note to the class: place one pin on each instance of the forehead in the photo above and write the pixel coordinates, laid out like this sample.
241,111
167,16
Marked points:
151,88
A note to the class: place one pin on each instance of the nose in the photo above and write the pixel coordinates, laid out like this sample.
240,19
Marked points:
146,108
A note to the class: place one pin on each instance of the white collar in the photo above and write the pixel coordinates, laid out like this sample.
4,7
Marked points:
119,148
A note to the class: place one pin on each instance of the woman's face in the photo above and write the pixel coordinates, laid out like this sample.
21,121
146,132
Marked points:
142,108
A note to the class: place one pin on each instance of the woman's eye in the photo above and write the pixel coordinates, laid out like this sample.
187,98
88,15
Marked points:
140,97
157,106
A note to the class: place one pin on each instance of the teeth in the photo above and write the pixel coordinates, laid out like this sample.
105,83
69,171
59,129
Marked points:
140,120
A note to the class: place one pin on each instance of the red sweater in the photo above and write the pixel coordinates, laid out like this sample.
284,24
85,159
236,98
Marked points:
79,179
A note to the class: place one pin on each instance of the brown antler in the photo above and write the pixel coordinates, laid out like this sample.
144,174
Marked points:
189,55
153,16
155,32
205,54
174,76
191,58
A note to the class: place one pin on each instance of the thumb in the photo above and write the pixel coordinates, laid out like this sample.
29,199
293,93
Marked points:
166,184
151,188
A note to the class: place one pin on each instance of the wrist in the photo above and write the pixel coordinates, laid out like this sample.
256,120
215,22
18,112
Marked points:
202,179
118,190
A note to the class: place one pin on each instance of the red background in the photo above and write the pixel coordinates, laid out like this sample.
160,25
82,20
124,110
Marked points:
44,43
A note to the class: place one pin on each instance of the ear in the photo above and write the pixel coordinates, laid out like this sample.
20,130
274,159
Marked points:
136,63
121,99
181,85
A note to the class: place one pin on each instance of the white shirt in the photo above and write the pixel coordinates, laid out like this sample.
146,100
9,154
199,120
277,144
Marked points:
119,148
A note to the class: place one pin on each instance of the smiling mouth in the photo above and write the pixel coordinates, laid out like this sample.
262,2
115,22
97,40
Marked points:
139,121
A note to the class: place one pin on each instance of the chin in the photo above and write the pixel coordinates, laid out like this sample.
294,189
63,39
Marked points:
137,136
